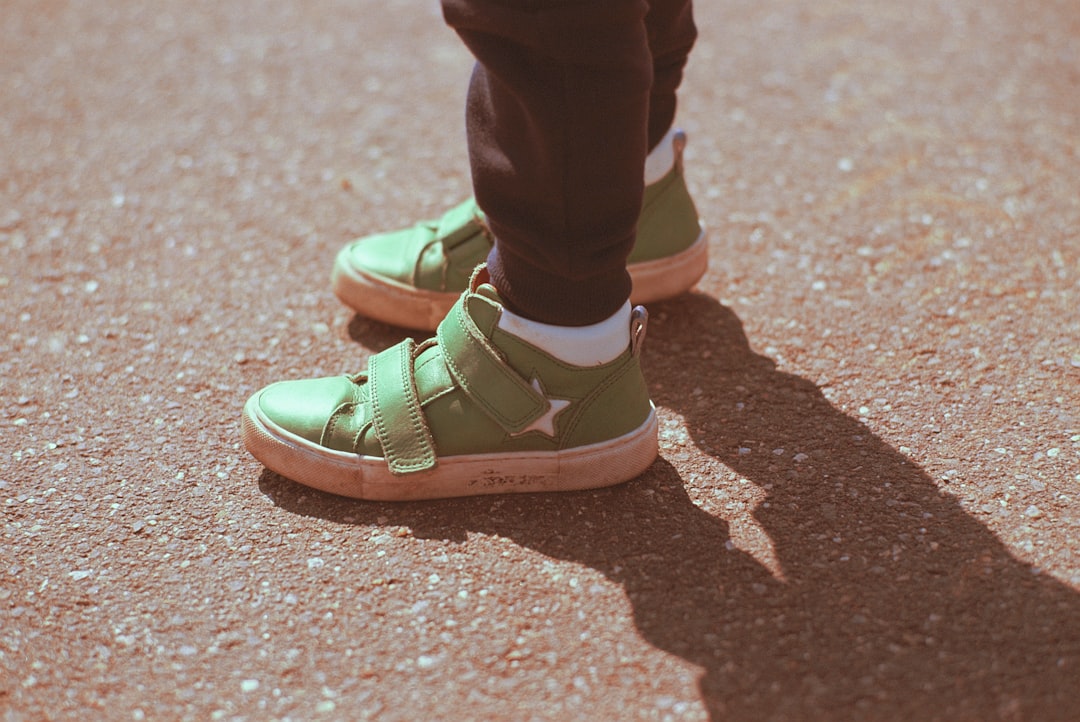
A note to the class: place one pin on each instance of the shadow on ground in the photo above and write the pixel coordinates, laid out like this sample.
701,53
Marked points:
893,603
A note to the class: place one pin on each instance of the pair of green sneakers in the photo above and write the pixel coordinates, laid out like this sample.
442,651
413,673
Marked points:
476,409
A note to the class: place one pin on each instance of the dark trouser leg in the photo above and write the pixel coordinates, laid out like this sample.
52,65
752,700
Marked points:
558,125
672,33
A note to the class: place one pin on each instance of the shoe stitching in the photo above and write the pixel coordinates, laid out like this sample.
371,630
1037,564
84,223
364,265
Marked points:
415,419
526,346
590,399
332,424
502,368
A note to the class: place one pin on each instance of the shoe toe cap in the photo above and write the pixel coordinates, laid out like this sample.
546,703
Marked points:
384,255
305,407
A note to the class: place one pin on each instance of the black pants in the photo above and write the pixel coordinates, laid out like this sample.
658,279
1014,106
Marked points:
566,100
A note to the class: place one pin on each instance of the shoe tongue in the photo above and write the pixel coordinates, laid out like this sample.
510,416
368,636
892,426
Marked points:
489,292
485,305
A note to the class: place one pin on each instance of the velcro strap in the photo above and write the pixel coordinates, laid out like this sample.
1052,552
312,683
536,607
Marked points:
484,377
459,224
395,409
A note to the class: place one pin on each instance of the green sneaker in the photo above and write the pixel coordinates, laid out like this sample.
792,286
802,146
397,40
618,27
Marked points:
412,277
474,410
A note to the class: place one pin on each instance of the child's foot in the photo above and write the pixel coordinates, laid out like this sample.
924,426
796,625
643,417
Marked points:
475,410
412,277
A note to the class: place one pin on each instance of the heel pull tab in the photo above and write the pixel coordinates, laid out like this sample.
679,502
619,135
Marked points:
639,323
678,144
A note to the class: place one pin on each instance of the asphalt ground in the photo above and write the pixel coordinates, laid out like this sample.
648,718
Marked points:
866,505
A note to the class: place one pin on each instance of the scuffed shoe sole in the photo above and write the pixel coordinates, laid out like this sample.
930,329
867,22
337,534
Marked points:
368,477
386,300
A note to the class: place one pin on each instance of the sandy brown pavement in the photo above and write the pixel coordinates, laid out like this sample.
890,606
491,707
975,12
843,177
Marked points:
867,502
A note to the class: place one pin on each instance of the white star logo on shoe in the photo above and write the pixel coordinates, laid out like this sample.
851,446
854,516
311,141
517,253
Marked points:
545,423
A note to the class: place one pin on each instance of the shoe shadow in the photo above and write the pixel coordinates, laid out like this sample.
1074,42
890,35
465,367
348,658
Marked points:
377,336
892,603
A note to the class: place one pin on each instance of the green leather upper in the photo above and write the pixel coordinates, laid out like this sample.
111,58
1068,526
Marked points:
478,369
473,389
437,255
440,255
668,222
395,410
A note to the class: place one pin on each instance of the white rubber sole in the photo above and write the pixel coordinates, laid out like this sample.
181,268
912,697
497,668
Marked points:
368,477
672,275
386,300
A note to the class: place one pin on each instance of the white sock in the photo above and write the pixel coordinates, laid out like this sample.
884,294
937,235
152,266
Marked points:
601,342
661,159
576,345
